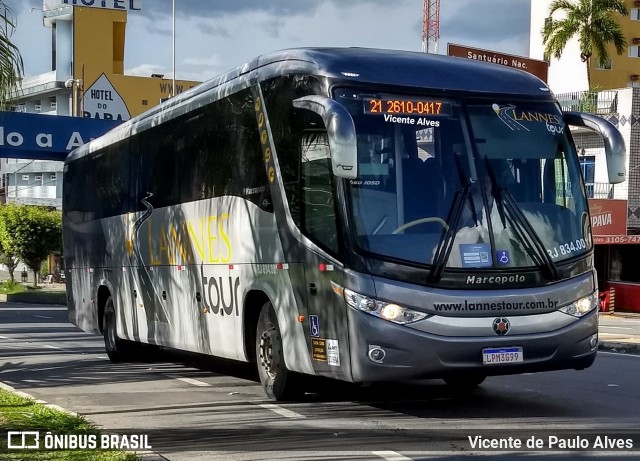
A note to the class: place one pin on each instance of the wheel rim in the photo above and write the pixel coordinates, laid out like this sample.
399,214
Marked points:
266,354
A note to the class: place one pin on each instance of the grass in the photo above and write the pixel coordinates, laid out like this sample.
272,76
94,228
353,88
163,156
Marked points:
8,287
22,414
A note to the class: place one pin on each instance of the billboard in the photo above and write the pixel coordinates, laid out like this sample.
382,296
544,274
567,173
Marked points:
609,221
46,137
538,68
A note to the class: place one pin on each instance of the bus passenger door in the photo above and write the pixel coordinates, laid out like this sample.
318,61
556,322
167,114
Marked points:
327,331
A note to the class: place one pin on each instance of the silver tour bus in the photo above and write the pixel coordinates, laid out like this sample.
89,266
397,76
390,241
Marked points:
357,214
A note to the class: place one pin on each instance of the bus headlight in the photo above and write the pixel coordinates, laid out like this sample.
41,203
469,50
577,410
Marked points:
387,311
582,306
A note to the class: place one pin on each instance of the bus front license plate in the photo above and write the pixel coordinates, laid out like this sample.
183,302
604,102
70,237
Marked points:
503,355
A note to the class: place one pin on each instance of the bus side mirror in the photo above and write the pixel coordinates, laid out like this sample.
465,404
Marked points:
341,131
614,147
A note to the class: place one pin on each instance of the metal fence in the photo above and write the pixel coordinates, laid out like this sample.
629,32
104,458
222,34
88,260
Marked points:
599,190
592,102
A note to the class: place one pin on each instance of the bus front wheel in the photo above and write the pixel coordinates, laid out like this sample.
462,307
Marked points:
278,382
464,383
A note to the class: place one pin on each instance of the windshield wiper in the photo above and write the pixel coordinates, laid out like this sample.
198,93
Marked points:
522,227
444,250
466,185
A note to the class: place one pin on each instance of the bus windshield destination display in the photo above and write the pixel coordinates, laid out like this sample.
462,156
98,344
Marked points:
398,106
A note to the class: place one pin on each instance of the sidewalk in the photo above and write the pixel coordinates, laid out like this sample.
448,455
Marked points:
619,342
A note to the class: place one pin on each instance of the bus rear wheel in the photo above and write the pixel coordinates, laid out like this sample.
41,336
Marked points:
116,347
278,382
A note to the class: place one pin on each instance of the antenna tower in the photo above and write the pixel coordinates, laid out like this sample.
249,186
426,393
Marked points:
430,26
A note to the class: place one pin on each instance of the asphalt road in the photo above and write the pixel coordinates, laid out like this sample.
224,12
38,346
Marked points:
193,408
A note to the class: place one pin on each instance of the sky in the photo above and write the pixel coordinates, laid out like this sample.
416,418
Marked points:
213,36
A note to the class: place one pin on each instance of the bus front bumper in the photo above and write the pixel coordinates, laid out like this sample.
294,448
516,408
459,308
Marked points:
384,351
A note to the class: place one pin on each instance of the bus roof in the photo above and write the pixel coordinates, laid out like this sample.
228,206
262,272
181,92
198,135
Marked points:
410,69
356,66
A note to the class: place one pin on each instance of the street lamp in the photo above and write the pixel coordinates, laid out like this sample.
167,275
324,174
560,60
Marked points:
76,85
173,85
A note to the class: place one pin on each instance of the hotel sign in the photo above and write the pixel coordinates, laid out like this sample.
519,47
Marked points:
538,68
130,5
102,100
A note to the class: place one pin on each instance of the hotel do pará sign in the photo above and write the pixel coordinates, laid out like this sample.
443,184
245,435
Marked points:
102,100
129,5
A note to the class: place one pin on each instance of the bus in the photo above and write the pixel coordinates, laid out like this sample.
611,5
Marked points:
356,214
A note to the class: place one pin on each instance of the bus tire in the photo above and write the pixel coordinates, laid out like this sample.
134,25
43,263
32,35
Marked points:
464,383
278,382
115,347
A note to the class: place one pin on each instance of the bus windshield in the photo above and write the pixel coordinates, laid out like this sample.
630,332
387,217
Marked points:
465,184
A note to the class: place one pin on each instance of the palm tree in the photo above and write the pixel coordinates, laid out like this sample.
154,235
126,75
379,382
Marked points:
11,66
594,24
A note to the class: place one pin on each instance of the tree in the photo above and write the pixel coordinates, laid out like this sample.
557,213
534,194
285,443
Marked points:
11,65
593,22
31,233
10,260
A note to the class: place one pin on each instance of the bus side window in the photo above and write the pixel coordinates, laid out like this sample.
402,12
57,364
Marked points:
318,207
287,124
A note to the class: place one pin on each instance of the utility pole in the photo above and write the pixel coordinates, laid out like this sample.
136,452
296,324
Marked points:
173,84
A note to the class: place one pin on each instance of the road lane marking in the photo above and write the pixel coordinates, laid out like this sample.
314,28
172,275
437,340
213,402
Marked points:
617,328
51,347
281,411
42,316
390,455
193,382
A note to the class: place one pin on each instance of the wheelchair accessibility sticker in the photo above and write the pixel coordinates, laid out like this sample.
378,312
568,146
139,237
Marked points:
503,257
314,326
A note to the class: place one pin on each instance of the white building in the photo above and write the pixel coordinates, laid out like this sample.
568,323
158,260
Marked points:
36,182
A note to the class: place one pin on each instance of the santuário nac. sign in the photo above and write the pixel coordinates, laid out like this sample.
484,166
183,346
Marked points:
130,5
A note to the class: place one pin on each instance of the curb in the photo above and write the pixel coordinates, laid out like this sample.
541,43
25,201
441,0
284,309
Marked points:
56,298
143,455
621,347
8,388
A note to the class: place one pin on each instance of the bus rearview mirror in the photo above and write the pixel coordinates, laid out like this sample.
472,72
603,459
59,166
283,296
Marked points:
341,132
614,145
